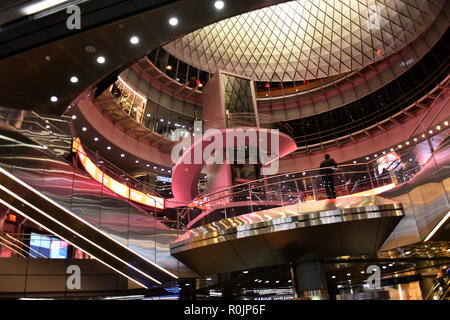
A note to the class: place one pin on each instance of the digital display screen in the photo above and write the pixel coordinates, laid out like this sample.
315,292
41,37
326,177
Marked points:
48,247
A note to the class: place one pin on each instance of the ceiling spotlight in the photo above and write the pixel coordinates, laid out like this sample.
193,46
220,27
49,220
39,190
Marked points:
148,115
154,167
430,132
169,67
354,161
333,277
173,21
48,58
137,161
219,5
438,128
74,117
54,99
95,139
147,165
134,40
446,123
84,129
74,79
122,155
108,147
101,59
348,274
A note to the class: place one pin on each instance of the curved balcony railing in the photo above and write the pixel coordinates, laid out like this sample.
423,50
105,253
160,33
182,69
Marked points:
388,170
136,107
438,79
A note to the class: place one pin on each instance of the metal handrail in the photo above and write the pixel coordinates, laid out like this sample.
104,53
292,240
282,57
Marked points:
230,189
381,111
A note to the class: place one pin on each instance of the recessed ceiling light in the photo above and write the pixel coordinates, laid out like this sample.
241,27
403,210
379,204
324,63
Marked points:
137,161
155,167
74,117
173,21
74,79
54,99
134,40
219,5
96,139
122,155
84,129
48,58
108,147
169,67
101,59
147,165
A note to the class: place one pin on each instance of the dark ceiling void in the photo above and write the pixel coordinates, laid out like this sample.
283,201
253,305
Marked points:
21,33
40,79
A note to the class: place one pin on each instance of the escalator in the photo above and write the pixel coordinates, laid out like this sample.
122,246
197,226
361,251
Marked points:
68,203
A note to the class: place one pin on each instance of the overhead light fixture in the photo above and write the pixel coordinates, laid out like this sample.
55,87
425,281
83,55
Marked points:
95,139
108,147
40,6
101,59
173,21
74,79
54,99
134,40
122,155
137,161
84,129
169,67
74,117
219,5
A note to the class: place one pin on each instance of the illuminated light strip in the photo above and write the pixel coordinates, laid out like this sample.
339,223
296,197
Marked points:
73,231
40,6
82,221
437,226
114,185
42,226
130,88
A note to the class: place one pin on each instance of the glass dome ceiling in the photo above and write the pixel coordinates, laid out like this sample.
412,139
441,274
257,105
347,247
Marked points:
306,39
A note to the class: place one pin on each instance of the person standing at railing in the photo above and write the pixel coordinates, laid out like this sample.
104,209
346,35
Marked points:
328,175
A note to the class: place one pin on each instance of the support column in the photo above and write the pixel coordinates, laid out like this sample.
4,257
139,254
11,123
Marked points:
310,279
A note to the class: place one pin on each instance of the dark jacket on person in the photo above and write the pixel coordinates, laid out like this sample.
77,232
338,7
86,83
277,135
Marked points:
327,163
